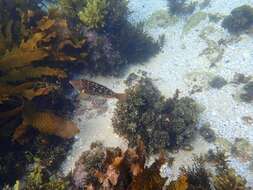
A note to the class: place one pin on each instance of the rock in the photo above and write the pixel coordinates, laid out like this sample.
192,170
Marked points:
242,149
207,133
187,147
223,143
247,95
132,77
217,82
240,19
247,120
241,78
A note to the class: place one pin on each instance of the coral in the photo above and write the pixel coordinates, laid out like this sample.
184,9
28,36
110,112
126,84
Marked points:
93,14
159,123
240,19
180,7
107,168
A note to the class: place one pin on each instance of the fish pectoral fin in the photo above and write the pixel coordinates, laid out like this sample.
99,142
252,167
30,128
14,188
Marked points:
121,96
83,96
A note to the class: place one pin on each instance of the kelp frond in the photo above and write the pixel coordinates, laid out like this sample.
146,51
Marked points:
48,123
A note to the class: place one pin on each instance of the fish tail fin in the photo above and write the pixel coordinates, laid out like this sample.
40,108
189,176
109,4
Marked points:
121,96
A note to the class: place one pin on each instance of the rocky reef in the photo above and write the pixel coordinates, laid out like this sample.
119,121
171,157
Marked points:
181,7
240,19
43,44
161,123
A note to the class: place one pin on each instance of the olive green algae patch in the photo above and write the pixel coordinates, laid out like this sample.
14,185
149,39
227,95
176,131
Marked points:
160,123
162,19
194,21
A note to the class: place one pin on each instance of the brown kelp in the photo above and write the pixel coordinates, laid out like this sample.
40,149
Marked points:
161,123
42,45
111,168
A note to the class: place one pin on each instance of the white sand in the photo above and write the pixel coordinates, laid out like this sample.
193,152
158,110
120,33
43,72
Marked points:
176,67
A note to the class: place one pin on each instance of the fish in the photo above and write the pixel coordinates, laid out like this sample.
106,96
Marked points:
88,87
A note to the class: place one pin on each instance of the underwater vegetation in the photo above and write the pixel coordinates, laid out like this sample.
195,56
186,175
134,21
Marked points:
113,42
193,21
161,18
112,168
201,176
247,94
240,19
38,179
103,167
181,7
161,123
42,45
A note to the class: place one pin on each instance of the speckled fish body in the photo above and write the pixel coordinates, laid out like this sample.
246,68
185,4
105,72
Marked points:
91,88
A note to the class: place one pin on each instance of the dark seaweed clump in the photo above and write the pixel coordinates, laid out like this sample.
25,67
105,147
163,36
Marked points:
160,123
112,41
180,7
51,151
240,19
247,94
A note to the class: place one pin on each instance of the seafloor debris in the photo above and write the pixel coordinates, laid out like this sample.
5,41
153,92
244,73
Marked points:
240,19
242,149
159,122
217,82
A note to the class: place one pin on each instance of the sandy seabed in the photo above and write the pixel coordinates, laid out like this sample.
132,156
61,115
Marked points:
180,66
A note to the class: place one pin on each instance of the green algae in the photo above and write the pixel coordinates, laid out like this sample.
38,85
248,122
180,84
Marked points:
161,19
214,52
194,21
